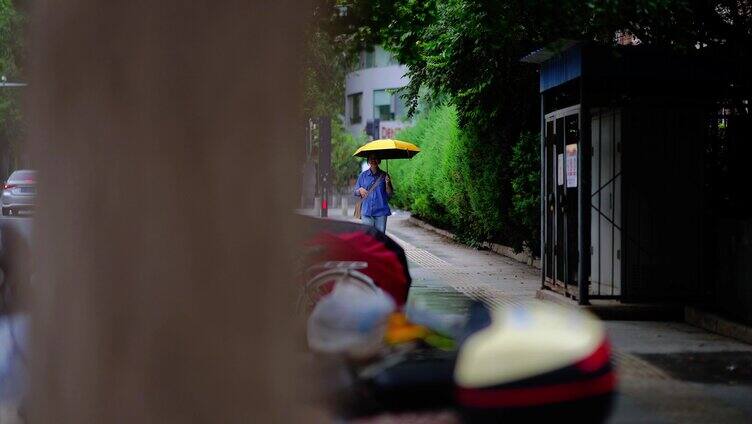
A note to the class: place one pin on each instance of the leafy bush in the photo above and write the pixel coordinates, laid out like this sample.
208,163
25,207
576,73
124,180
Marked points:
344,166
428,184
442,184
456,182
525,165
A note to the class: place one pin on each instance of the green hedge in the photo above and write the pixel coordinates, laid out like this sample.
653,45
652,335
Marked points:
457,182
432,185
525,165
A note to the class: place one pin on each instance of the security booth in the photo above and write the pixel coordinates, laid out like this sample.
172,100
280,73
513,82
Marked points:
623,135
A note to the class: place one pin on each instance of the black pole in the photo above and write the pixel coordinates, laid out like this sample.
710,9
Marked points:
325,162
543,178
583,196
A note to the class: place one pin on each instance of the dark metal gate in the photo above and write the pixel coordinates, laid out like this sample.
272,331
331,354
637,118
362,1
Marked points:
605,203
562,138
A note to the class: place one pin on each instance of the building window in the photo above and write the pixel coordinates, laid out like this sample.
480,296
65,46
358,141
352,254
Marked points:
370,59
376,58
354,102
382,105
388,105
400,108
382,57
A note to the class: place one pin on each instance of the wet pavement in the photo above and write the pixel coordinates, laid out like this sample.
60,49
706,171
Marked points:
435,295
724,368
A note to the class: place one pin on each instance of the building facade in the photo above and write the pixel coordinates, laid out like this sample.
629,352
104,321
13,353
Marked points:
372,103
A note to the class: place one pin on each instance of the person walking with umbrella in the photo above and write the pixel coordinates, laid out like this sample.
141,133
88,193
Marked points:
374,186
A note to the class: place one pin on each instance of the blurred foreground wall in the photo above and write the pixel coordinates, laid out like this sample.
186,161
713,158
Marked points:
162,133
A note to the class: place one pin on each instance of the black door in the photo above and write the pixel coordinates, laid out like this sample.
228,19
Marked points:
561,202
550,240
571,146
562,135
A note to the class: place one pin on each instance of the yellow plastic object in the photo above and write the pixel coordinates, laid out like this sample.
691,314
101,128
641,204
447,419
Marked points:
388,149
400,330
440,342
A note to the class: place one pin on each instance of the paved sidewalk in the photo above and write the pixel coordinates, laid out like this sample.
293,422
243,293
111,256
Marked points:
669,372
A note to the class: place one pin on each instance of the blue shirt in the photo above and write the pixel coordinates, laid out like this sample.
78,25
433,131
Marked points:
376,202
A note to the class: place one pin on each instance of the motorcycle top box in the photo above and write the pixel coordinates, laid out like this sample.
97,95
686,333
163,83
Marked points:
535,361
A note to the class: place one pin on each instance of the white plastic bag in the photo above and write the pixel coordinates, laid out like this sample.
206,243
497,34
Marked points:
351,321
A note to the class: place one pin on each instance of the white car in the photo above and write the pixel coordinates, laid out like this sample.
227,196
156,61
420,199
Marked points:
19,192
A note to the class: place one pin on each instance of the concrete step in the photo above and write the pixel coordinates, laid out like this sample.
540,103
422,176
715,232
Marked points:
613,310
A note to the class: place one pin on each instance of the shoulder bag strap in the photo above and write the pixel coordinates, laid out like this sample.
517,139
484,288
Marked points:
373,186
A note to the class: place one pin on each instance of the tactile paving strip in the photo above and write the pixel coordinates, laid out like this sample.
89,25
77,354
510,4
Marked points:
463,282
426,259
631,366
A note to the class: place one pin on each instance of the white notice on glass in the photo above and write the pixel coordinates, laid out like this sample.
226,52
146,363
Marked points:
560,176
571,165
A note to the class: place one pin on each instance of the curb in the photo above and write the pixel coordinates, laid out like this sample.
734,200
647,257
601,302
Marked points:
430,227
523,257
610,310
334,214
717,324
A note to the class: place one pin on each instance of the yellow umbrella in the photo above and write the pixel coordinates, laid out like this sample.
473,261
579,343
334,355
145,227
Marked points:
388,149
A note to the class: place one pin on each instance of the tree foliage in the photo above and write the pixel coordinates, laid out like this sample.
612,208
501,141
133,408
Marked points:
328,58
526,190
327,62
432,183
344,166
12,24
469,52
